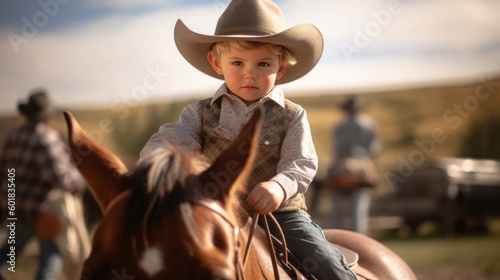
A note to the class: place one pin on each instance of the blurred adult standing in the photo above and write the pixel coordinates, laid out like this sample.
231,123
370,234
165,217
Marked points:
36,170
353,175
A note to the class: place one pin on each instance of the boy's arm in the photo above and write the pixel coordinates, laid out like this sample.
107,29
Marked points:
299,162
185,133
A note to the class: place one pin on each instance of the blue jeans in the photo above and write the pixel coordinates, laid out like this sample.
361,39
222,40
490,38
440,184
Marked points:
50,261
359,207
308,244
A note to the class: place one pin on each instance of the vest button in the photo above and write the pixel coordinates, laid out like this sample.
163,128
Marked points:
266,143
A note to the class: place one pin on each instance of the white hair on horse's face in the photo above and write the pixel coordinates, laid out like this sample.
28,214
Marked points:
152,261
159,161
163,169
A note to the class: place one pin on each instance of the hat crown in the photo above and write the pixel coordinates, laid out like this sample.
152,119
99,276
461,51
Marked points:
251,17
352,103
38,102
38,107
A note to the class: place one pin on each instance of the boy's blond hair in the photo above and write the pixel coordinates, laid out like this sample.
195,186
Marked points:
286,58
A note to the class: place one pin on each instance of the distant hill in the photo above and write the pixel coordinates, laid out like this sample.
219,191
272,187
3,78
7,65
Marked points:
429,122
464,119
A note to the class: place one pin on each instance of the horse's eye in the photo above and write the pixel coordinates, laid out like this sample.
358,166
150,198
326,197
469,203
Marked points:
218,240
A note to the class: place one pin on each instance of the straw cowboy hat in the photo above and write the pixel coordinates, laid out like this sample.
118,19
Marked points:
258,21
39,106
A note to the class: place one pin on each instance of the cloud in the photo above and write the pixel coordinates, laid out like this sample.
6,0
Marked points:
398,43
101,62
402,24
129,3
109,58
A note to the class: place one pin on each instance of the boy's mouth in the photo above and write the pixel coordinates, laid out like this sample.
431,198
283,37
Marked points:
250,87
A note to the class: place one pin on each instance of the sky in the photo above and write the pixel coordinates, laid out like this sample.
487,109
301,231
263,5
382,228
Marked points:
110,52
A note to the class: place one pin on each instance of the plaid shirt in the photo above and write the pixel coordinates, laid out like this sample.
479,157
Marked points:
298,160
36,156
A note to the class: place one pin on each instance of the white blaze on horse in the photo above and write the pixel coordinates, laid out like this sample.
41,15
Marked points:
159,222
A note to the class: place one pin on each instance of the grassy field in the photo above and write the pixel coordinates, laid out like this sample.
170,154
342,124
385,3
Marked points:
467,257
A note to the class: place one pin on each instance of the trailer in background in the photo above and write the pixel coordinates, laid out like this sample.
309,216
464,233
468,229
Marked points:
459,194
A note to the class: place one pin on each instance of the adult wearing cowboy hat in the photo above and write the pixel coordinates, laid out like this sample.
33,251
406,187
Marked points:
253,52
355,144
35,155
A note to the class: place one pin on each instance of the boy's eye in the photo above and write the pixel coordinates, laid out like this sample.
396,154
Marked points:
237,63
263,64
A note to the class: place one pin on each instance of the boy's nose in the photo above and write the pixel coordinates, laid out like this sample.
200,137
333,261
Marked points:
250,73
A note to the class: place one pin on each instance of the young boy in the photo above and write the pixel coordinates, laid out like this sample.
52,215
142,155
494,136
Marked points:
252,51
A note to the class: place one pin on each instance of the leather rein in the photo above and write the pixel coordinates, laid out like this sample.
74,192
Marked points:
219,210
240,267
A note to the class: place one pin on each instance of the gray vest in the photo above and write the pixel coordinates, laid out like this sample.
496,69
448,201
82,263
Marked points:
275,126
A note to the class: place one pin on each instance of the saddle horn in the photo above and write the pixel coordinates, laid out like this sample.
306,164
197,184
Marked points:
103,170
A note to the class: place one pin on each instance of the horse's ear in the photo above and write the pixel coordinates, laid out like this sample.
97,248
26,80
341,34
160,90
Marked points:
103,170
233,166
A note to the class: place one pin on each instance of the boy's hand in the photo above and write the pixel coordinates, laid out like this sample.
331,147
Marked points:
266,197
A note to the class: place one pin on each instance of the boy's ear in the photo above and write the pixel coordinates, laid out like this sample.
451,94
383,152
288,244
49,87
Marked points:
281,71
214,62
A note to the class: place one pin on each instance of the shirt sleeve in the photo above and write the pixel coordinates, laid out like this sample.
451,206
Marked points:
55,165
299,163
374,142
185,133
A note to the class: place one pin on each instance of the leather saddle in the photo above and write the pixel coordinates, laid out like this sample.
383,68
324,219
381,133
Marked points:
290,264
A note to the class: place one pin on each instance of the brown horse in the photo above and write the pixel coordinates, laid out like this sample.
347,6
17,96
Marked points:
176,217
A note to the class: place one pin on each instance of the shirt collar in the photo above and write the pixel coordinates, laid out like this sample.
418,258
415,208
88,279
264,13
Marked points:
276,95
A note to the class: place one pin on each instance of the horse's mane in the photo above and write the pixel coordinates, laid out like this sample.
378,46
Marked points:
159,190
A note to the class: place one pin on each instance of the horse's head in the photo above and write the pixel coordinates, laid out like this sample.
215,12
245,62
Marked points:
172,218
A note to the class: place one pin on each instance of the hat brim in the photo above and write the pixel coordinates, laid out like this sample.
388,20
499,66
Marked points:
303,41
23,108
36,116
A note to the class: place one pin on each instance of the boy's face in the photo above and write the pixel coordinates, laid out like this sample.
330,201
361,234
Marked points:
249,74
